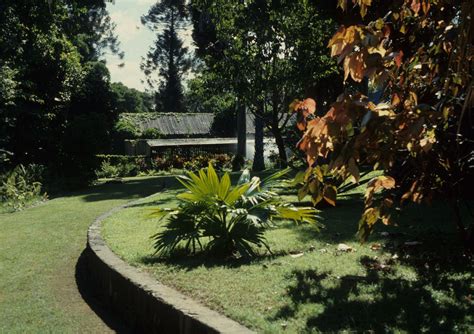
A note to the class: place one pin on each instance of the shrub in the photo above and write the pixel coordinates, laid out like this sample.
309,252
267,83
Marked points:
120,165
219,161
107,170
151,133
125,129
231,218
22,185
168,162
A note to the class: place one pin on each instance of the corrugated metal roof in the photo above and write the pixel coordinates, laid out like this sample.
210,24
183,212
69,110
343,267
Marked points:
185,124
190,142
175,124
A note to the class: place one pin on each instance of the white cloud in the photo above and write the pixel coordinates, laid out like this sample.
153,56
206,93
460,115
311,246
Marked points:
128,27
134,2
142,2
135,40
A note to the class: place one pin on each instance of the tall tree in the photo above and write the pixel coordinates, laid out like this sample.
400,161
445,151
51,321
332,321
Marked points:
167,56
262,49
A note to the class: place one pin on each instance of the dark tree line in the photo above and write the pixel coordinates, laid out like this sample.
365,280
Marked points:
56,105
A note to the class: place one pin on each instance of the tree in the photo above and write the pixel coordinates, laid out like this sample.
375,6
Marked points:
45,63
167,55
204,95
268,52
130,100
421,137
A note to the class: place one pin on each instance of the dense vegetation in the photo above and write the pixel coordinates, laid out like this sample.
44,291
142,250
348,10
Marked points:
266,54
417,128
56,105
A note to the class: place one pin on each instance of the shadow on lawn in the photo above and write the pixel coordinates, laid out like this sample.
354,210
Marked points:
189,263
130,188
439,301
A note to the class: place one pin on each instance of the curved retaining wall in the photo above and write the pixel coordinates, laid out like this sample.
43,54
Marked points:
140,300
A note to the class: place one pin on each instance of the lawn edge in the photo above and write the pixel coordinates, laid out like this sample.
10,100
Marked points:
143,302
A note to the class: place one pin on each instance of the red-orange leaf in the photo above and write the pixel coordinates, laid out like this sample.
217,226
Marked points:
398,58
395,100
355,66
426,6
415,6
330,194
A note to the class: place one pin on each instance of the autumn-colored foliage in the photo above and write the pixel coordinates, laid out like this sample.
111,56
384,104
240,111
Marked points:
419,56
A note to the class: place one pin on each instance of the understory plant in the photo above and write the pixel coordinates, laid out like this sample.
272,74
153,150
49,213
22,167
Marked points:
222,219
21,186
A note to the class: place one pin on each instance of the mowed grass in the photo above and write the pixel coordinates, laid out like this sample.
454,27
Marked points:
40,249
307,285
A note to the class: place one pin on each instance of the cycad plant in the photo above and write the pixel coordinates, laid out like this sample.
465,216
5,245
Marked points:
222,219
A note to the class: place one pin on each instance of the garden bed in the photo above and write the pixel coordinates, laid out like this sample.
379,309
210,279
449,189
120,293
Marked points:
408,278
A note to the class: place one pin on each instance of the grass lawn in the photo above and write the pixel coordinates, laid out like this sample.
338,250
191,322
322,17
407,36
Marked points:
307,285
40,249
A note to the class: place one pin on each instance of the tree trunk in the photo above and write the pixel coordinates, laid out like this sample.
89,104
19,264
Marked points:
276,130
239,158
258,159
280,142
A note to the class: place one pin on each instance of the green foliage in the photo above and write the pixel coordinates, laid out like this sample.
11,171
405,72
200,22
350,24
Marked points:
51,78
21,186
232,219
83,139
219,161
168,162
203,94
120,165
266,53
168,57
193,163
125,129
130,100
151,133
8,91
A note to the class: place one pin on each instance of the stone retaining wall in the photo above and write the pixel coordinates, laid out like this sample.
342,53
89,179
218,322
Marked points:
140,300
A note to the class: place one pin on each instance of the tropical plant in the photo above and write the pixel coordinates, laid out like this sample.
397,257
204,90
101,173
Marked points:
222,219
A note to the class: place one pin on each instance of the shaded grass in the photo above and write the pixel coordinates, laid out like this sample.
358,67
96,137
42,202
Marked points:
39,252
309,286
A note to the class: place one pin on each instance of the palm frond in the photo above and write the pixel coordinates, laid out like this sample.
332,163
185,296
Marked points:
272,180
297,214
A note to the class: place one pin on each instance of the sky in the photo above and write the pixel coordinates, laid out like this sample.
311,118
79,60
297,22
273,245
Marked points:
135,40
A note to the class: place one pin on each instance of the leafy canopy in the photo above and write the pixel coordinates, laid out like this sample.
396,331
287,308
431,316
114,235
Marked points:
418,57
